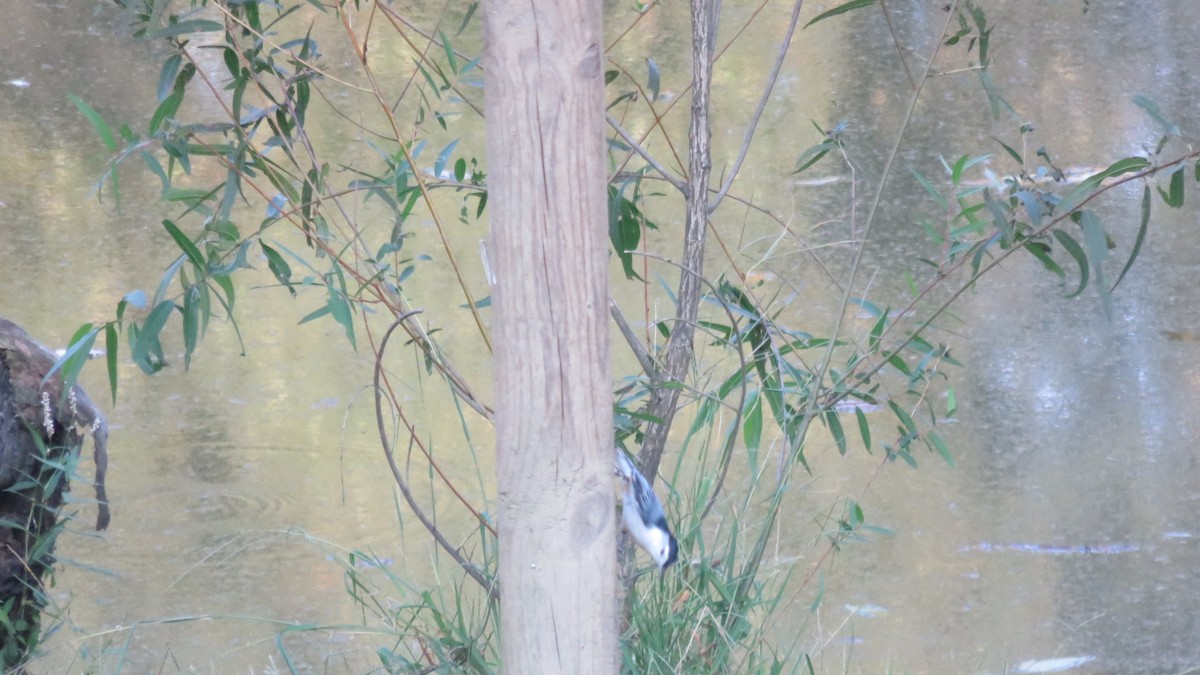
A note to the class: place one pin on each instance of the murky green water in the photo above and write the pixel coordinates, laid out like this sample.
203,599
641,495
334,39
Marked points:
1065,531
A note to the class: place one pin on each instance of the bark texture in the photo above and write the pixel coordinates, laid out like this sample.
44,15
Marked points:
680,347
41,434
548,204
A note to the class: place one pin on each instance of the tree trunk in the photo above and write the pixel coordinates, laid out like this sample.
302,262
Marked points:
548,203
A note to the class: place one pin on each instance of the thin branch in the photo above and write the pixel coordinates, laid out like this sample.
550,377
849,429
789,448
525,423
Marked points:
739,411
491,586
420,181
819,376
662,170
679,349
635,345
762,105
997,260
887,16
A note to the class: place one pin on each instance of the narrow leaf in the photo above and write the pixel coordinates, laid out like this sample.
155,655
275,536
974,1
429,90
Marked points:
903,416
1012,153
752,426
166,79
864,428
1141,237
1152,110
339,308
1068,242
189,248
1097,248
147,337
653,79
835,428
934,439
102,128
110,354
76,354
1174,194
451,58
439,164
1117,168
841,9
930,189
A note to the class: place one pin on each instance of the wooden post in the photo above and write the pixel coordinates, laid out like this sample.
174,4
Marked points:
547,199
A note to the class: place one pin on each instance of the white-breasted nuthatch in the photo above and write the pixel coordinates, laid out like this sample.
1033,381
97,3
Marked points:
643,514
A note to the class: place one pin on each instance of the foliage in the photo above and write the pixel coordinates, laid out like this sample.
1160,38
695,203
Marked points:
279,199
36,498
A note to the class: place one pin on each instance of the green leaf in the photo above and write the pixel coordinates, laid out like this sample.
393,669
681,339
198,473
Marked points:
1174,195
76,354
1097,248
147,337
1012,153
1141,237
1033,206
439,164
835,428
841,9
1151,108
110,354
995,98
102,128
1041,251
466,17
752,425
166,79
1117,168
191,323
451,58
903,416
934,439
624,228
877,331
1068,242
314,315
864,428
279,266
339,308
189,248
951,402
933,192
166,109
814,154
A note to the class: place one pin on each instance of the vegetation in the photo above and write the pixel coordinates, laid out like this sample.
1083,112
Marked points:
371,234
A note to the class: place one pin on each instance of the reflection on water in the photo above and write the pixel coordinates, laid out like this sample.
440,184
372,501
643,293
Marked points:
1062,540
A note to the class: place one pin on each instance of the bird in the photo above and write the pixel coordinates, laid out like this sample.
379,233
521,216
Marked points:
643,515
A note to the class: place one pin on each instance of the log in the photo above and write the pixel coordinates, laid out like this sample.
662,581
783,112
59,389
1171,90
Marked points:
41,435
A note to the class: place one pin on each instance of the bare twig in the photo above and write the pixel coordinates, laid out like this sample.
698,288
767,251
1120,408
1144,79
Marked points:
739,411
887,16
418,178
491,586
762,105
639,352
637,147
819,376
